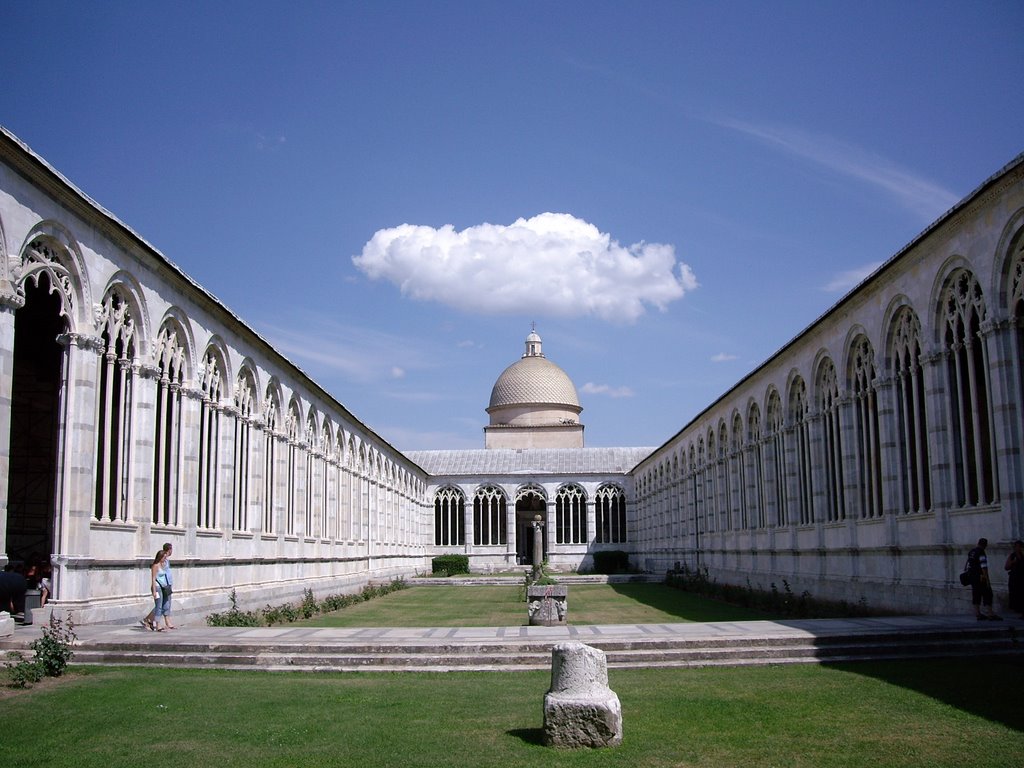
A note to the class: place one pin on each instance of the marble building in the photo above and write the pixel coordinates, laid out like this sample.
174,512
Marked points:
860,460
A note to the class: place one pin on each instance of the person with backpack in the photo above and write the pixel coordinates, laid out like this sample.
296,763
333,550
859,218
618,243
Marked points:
981,586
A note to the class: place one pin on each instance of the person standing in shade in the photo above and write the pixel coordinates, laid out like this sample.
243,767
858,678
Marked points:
981,585
1015,567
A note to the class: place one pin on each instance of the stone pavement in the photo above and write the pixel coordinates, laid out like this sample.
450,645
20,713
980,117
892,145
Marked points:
526,647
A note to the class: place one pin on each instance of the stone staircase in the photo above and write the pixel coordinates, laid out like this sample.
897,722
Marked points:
320,652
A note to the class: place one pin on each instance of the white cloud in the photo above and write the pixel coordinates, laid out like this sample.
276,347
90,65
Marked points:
722,357
397,373
604,389
919,195
553,264
844,281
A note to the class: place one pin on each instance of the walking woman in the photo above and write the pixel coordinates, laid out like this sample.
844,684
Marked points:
159,590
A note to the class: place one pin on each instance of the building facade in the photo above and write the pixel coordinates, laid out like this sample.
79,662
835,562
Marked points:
135,409
859,461
865,458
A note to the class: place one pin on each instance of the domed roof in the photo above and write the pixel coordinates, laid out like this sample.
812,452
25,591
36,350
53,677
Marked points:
533,379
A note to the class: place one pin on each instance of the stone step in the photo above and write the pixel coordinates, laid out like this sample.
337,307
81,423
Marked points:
345,656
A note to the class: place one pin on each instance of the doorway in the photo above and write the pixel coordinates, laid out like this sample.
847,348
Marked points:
35,422
528,505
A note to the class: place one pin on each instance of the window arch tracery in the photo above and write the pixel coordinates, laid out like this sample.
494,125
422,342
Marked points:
832,441
116,385
170,358
971,439
867,454
610,515
490,526
913,482
571,515
449,517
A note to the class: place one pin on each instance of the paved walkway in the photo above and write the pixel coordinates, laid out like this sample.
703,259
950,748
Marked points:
751,631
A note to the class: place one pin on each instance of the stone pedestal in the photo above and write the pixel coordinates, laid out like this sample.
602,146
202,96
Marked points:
548,606
581,710
6,624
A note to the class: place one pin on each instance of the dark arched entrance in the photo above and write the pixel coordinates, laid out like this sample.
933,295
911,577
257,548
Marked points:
529,504
35,422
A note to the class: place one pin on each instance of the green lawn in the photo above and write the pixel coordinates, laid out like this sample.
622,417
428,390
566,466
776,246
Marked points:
501,606
912,713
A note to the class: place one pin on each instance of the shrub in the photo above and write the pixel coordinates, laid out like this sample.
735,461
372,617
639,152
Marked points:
53,649
305,609
611,561
774,600
22,673
233,617
449,565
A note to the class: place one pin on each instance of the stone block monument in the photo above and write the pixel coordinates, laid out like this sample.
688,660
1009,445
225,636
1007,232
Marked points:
548,605
580,710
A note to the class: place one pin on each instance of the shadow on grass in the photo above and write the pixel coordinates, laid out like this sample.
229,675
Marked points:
981,686
534,736
687,606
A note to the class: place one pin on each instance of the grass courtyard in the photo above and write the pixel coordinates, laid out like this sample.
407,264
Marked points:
503,606
917,713
911,713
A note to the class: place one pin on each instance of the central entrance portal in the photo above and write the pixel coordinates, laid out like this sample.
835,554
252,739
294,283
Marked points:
530,502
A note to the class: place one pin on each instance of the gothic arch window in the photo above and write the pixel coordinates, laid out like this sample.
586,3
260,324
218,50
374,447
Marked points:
738,472
571,515
610,515
490,527
700,489
831,441
1016,313
210,424
756,499
449,517
972,449
913,481
311,441
245,409
293,436
53,256
725,484
800,417
271,453
867,445
710,485
169,357
775,425
116,384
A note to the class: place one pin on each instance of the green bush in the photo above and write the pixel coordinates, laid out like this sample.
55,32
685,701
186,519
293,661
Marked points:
449,565
53,649
307,608
22,673
773,600
611,561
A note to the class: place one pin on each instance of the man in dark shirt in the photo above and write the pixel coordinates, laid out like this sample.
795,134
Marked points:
12,590
981,587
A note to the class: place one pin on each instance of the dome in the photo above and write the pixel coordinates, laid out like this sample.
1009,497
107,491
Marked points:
533,379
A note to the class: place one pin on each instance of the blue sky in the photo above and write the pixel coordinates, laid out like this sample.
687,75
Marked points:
719,174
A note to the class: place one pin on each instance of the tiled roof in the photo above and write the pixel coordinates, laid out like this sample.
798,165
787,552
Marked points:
533,380
532,461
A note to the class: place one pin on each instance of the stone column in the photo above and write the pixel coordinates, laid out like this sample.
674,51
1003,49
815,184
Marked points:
76,471
580,710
